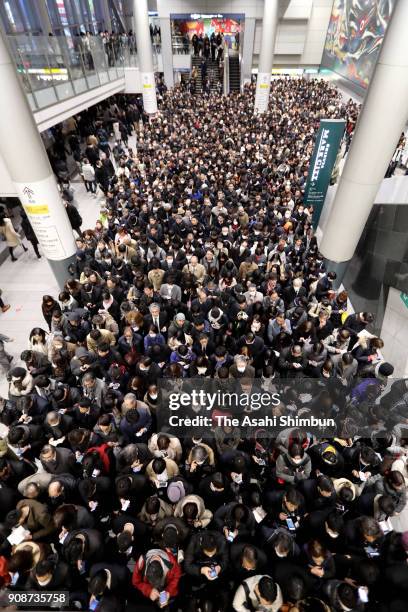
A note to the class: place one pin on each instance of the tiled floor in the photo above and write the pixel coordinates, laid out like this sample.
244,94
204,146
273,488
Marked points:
25,281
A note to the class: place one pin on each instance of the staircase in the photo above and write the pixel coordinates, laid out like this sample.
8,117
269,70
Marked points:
234,73
198,83
213,73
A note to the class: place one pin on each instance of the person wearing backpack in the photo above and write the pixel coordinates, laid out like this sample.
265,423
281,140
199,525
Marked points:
258,593
156,576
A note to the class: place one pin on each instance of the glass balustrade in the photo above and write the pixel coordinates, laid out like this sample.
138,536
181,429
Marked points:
53,69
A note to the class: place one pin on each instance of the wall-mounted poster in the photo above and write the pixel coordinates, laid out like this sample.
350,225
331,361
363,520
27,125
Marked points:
354,37
207,26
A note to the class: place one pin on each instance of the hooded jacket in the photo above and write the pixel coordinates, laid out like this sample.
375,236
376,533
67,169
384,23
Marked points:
171,570
165,510
204,516
290,472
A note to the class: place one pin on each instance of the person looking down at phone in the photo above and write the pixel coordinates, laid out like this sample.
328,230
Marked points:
156,577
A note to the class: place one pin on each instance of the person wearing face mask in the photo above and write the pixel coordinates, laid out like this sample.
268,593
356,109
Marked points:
294,465
241,368
253,296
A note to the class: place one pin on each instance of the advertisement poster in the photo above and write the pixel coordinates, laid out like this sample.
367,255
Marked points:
322,163
354,37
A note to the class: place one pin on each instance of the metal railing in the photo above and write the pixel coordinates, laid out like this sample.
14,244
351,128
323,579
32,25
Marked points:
53,69
180,45
56,68
226,83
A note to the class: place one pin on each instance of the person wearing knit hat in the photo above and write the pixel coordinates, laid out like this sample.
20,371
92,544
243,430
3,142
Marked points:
176,491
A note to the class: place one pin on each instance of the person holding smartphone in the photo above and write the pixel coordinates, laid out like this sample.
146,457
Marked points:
156,578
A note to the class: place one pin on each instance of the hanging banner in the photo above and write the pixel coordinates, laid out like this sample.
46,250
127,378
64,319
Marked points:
322,163
263,86
42,202
149,92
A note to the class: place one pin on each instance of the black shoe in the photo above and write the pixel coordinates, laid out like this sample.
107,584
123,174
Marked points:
25,249
38,256
14,259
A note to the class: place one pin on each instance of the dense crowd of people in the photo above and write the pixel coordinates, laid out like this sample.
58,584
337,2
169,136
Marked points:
203,265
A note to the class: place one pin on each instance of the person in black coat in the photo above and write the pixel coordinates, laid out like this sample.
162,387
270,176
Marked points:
246,560
74,217
319,493
215,491
107,579
83,544
29,232
102,176
57,460
57,426
363,537
96,493
129,539
62,489
206,554
235,521
50,575
71,517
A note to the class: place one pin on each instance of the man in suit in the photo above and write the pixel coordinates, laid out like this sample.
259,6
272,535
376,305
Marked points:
156,317
295,291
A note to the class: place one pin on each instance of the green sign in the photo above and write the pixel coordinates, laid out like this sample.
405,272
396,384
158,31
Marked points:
404,298
321,165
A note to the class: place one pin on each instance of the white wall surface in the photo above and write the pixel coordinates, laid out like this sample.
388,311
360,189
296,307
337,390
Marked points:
316,32
301,31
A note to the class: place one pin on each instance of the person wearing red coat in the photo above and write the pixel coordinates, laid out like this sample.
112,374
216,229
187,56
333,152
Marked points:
157,575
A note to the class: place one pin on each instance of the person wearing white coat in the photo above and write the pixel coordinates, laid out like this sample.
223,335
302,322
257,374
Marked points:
88,174
12,238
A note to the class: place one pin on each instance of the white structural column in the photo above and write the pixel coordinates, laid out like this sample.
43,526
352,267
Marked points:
145,55
269,28
382,119
46,25
106,15
248,48
167,51
27,162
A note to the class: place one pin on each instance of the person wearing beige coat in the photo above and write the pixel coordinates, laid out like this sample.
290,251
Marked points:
160,478
165,445
202,517
11,237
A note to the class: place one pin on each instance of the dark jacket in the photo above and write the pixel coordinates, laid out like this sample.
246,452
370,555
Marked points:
74,217
64,463
39,521
195,559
